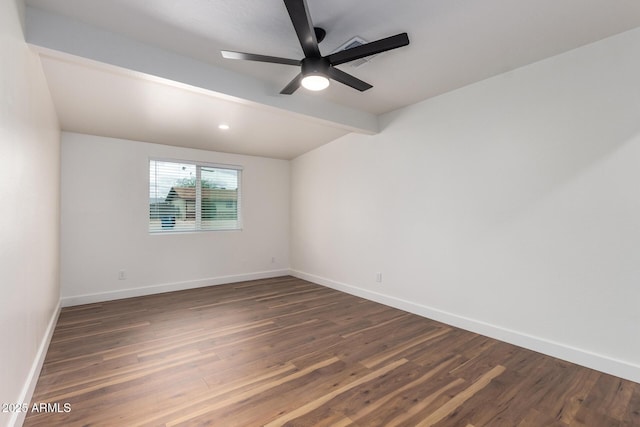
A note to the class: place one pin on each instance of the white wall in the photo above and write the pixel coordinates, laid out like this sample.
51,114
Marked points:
29,228
105,211
510,207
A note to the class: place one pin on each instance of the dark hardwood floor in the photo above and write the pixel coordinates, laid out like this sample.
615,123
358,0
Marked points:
287,352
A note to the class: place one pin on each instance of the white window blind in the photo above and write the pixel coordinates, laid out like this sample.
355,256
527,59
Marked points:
185,196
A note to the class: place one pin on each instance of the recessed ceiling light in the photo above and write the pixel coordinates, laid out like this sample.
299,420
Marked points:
223,126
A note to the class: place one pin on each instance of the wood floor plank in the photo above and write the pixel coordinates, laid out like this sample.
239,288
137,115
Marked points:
262,407
329,396
379,324
460,398
632,417
379,358
283,351
610,396
380,403
536,419
252,392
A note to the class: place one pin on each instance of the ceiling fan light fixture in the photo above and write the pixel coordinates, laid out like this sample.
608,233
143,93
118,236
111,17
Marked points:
316,70
315,82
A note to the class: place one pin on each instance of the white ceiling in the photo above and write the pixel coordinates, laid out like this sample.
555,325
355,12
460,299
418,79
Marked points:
453,43
110,101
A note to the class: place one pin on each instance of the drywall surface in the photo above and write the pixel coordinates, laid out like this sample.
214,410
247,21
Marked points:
105,213
509,207
29,229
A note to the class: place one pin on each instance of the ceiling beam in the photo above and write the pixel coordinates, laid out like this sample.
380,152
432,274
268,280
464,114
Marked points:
59,33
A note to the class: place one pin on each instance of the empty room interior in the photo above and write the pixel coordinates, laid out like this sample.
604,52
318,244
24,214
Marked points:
320,213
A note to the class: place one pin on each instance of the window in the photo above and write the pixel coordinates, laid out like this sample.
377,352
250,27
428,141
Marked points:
185,196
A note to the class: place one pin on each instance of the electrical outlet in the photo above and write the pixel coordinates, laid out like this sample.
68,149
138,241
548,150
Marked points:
122,275
379,277
273,260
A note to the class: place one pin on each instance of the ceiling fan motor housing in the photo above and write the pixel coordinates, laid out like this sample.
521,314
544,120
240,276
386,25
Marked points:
315,66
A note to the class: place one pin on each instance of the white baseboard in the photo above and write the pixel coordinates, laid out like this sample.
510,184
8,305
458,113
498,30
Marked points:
17,418
571,354
68,301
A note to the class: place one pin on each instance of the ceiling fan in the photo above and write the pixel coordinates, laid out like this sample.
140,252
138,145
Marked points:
316,70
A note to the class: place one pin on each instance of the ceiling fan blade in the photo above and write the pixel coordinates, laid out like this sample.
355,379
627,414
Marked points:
299,14
348,79
261,58
369,49
292,86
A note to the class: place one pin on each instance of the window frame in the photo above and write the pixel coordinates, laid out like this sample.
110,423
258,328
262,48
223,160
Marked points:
198,202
